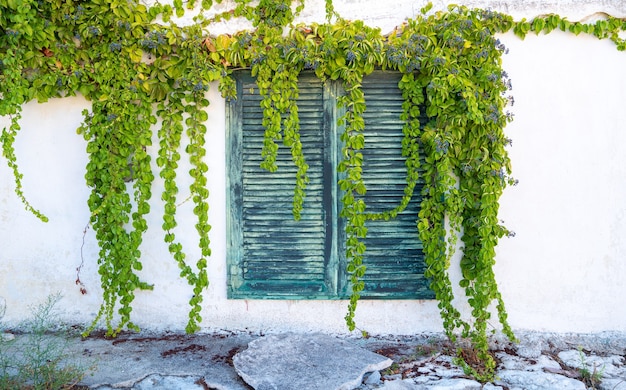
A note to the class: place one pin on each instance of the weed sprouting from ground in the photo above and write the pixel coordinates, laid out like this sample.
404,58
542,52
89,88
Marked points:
37,359
591,376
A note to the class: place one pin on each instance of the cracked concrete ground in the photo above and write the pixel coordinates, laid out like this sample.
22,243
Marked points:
172,361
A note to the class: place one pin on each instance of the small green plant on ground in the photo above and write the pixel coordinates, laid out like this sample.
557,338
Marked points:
37,359
392,370
590,375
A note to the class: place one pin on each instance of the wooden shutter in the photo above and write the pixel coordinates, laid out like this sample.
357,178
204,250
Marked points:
270,255
394,257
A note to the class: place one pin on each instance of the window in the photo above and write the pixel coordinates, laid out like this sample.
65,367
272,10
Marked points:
272,256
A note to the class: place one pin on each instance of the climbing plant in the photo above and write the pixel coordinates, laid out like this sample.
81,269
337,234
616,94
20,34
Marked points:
147,78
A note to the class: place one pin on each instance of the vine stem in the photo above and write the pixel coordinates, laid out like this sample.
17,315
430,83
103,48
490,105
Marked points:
82,287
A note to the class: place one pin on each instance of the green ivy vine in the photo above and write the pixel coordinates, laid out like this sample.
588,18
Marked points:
147,79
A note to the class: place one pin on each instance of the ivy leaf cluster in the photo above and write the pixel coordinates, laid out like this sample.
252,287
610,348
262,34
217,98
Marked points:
115,55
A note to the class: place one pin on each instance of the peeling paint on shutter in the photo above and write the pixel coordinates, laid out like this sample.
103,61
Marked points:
394,257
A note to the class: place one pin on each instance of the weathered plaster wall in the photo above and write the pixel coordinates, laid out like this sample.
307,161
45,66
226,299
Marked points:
562,272
568,261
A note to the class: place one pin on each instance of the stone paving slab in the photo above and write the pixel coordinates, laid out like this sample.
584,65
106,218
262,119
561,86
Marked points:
160,360
306,361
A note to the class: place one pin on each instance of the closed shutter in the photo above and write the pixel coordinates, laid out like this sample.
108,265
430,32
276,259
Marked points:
270,254
394,256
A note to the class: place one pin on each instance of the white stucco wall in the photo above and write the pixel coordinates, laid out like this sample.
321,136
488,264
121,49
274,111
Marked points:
562,272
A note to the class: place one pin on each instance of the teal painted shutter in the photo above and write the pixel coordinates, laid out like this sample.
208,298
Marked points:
394,257
270,254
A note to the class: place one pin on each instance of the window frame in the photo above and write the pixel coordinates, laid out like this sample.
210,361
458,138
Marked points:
335,274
